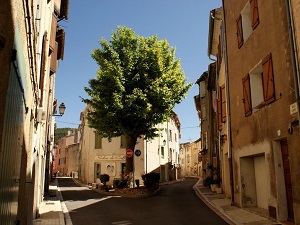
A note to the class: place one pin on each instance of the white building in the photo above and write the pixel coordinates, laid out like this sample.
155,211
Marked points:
100,156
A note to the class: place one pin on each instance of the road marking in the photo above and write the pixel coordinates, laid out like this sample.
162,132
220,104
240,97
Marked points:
122,223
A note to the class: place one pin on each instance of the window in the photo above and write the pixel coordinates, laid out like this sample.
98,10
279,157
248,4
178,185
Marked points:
247,21
170,155
162,152
258,86
98,141
175,137
170,137
221,106
123,141
203,112
202,89
53,33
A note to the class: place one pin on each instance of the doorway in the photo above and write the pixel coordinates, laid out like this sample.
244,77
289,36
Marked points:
287,178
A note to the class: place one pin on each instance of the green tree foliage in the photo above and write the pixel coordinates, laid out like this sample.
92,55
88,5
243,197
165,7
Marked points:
61,132
138,83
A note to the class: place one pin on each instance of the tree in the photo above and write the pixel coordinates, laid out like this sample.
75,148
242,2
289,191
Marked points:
138,83
62,132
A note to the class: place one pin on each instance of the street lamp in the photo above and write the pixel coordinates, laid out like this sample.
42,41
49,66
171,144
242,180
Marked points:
62,109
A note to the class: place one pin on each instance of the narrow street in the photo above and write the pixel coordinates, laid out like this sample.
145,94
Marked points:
174,204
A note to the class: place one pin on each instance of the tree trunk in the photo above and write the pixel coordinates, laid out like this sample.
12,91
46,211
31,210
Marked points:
130,144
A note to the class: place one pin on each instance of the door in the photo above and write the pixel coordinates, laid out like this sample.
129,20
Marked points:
261,184
287,178
97,172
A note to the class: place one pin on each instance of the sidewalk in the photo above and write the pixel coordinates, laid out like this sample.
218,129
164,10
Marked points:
50,209
232,214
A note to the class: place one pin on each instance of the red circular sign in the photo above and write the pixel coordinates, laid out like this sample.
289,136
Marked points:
129,153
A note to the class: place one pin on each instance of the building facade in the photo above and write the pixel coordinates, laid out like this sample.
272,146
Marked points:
31,43
190,159
102,156
263,73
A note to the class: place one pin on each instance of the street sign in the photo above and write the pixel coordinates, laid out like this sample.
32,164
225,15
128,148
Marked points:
137,152
129,153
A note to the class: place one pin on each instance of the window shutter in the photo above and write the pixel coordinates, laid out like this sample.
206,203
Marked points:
43,68
53,62
203,112
219,109
219,57
123,141
254,11
98,141
60,38
223,98
247,95
268,79
239,33
53,33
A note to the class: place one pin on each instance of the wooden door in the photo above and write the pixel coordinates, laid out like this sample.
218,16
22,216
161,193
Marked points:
287,178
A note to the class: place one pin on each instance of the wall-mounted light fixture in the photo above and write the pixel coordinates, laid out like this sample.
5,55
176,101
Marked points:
164,142
62,109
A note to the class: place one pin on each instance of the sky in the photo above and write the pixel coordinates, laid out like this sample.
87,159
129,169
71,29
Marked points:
184,23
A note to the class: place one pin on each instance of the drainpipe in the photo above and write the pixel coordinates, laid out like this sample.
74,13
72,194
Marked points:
293,52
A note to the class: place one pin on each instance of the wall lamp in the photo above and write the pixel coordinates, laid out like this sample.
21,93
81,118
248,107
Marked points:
62,109
164,142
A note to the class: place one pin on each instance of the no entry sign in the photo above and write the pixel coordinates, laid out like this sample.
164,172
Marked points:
129,153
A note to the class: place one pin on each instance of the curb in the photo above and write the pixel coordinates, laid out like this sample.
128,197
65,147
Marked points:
218,210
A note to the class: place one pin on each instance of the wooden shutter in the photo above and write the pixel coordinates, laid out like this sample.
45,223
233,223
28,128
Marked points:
239,33
268,79
53,33
60,38
43,68
223,98
53,62
98,141
219,57
254,12
219,110
247,95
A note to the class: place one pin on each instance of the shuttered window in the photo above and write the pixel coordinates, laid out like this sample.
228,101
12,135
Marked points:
239,33
60,38
247,95
254,12
123,141
43,68
219,56
219,108
53,33
223,99
268,79
53,62
98,141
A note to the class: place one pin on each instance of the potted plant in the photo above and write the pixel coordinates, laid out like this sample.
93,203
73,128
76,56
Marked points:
104,178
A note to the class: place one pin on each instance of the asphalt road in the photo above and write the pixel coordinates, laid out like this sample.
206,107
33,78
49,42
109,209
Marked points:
174,204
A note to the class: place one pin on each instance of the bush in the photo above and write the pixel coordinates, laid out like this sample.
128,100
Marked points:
151,179
104,178
126,179
208,181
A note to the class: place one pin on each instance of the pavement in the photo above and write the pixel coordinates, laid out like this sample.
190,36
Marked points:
52,209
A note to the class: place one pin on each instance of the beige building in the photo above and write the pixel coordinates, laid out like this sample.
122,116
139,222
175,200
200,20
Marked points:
190,159
66,155
262,67
29,50
216,50
102,156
